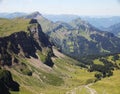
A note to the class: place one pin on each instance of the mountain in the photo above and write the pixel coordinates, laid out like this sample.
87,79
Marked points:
64,17
12,15
30,64
34,15
100,22
78,38
23,44
115,29
21,47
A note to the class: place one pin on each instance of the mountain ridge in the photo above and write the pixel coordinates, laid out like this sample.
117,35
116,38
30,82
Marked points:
37,66
80,38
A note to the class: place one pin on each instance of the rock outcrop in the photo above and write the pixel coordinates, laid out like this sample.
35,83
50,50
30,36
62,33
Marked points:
23,44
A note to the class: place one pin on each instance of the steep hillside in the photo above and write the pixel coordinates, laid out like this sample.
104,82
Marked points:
115,29
26,64
102,22
65,77
23,43
19,48
45,23
30,65
61,78
79,38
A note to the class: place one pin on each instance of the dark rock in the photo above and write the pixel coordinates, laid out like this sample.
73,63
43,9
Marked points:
22,43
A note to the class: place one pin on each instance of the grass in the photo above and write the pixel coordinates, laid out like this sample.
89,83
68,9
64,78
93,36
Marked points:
42,56
84,34
71,46
109,85
83,91
65,76
98,62
9,26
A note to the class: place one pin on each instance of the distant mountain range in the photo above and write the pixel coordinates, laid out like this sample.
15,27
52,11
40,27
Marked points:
78,37
12,15
100,22
31,61
115,29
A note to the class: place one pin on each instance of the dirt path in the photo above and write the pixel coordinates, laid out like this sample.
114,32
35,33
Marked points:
78,89
91,90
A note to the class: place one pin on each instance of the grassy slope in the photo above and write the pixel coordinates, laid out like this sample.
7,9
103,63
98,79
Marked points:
64,76
109,85
8,27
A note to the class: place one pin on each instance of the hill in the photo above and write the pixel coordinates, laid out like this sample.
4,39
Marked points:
9,26
115,29
78,38
30,64
101,22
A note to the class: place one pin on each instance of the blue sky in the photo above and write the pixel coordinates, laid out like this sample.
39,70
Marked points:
79,7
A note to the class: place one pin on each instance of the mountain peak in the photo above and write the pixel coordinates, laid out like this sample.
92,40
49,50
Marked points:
34,15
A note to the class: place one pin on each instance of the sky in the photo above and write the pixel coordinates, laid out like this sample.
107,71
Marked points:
76,7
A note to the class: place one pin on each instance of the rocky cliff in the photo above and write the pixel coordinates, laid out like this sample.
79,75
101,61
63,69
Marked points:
23,44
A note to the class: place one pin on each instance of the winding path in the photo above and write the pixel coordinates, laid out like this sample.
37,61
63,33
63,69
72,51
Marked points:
91,90
78,89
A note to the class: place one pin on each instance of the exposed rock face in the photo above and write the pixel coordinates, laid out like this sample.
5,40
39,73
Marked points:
36,33
23,44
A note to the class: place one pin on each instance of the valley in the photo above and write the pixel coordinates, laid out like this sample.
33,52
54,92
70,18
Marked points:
38,56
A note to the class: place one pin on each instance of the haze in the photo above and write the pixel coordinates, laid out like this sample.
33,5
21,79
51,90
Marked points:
79,7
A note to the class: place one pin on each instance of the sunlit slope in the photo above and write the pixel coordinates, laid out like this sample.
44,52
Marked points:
64,76
9,26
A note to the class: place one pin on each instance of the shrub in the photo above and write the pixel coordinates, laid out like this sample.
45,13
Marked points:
115,57
98,75
6,81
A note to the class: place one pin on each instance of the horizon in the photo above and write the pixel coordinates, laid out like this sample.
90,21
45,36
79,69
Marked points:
61,7
97,16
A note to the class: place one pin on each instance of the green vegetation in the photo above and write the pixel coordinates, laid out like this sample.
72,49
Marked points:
109,85
64,76
9,26
57,74
7,83
42,56
98,75
5,76
52,79
45,56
